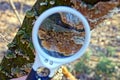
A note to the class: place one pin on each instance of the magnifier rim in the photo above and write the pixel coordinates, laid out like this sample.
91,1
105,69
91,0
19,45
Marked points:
46,14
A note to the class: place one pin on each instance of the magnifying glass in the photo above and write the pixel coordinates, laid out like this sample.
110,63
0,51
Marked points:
60,35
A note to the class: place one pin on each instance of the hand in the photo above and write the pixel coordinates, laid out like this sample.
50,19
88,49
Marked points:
21,78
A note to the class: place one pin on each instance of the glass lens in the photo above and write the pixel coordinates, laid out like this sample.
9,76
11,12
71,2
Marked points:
61,35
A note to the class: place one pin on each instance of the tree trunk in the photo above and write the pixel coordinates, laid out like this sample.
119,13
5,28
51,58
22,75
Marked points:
20,55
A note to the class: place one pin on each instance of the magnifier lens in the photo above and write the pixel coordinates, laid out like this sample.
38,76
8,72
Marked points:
61,35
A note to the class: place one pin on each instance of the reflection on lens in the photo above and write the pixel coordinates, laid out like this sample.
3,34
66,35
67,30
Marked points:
61,34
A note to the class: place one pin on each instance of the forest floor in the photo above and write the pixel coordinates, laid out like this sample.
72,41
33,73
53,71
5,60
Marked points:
104,37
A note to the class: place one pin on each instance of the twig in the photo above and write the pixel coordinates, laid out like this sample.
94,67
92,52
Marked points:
68,74
4,38
15,11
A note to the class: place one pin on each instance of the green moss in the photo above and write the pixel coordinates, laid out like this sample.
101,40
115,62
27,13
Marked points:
105,67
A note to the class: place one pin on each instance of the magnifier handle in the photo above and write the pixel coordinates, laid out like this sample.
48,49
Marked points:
33,76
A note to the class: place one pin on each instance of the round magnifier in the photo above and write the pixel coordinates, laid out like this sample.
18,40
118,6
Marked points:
60,35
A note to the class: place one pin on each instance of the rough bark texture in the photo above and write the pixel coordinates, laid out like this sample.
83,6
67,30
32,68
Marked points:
20,56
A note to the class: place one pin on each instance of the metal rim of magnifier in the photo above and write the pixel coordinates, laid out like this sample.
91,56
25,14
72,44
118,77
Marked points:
46,14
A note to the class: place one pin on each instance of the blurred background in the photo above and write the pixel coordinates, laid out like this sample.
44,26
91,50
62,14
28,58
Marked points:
102,58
